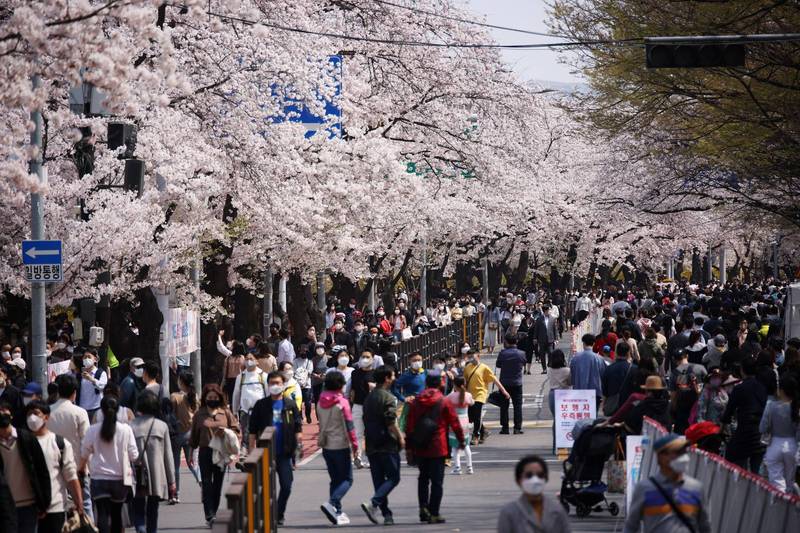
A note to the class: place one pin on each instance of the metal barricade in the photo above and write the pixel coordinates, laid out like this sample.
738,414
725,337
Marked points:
250,496
440,341
738,500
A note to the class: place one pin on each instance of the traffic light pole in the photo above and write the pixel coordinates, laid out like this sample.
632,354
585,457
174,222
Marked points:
38,305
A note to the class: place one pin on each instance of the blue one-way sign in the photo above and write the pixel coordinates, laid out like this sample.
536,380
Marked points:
42,260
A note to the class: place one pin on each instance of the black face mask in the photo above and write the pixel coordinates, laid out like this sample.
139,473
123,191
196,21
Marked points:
213,403
5,420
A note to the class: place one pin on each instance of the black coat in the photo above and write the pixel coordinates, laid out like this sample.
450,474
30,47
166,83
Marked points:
261,417
35,465
747,402
8,510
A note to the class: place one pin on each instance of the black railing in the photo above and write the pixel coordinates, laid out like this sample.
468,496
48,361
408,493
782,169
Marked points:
440,341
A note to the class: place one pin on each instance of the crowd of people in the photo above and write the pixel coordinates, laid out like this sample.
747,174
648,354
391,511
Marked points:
710,364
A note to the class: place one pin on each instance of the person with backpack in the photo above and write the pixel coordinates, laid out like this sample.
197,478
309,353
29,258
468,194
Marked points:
92,381
669,500
429,418
337,438
60,461
155,451
685,385
184,405
250,386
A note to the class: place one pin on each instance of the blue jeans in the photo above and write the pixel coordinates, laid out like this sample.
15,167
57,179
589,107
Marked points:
181,442
385,470
87,495
145,514
283,466
27,518
340,469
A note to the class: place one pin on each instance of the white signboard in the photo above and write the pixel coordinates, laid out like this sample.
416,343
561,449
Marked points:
634,451
56,369
572,406
182,332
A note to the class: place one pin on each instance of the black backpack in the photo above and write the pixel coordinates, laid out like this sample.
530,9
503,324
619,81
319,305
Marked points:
426,427
686,387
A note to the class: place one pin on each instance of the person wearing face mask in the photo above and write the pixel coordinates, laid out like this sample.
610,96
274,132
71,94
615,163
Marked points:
212,417
251,386
25,469
285,348
340,337
291,390
412,381
713,399
92,380
274,411
303,368
132,385
342,359
266,361
360,337
32,391
383,323
534,511
320,362
361,383
479,377
669,500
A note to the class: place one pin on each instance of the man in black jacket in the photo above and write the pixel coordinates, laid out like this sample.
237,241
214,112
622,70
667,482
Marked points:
25,469
288,429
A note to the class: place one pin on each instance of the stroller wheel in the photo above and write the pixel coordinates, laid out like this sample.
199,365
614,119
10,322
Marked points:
613,508
582,510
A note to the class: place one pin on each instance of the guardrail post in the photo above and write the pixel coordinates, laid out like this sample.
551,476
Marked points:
266,446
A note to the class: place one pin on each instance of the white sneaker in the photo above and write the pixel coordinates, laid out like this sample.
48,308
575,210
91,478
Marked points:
371,511
342,520
470,471
358,462
456,471
330,512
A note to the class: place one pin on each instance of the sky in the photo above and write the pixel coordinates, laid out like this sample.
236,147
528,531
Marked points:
540,65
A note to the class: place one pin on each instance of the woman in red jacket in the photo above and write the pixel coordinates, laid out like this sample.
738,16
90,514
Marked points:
429,418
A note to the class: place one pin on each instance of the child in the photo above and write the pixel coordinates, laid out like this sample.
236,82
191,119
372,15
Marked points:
460,399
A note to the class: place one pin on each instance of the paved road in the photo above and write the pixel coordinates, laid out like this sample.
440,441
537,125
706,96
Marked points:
470,503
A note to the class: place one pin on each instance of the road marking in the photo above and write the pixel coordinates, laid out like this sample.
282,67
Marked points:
534,424
310,458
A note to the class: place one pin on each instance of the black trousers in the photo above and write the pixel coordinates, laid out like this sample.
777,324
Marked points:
515,391
475,412
51,523
430,485
544,354
211,486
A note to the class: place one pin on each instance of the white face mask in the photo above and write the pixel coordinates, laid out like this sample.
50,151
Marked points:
60,346
26,400
416,365
343,361
35,422
88,362
465,349
320,351
365,362
533,486
274,390
138,372
680,464
16,355
438,366
6,355
250,364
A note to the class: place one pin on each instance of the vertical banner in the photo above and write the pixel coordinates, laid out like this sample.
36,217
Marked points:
634,452
572,406
181,332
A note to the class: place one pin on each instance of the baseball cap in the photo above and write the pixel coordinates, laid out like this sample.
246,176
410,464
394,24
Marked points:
137,361
669,443
32,388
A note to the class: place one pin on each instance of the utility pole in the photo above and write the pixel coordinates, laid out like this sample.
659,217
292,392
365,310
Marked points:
195,362
321,290
723,272
282,299
423,279
485,281
269,276
38,304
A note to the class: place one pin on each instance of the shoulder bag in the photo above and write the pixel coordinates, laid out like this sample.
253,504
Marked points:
675,509
140,472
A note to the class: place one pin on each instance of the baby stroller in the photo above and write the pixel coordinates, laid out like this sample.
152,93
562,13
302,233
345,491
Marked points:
582,485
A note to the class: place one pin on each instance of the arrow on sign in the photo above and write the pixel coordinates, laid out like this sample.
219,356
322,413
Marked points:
34,253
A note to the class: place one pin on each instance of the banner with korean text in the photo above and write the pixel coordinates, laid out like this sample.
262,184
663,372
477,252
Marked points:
634,452
182,332
572,406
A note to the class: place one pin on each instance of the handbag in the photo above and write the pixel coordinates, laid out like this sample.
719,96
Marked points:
77,523
496,398
140,472
406,334
616,472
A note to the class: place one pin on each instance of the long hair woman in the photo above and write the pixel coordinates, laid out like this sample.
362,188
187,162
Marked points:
184,404
109,448
212,417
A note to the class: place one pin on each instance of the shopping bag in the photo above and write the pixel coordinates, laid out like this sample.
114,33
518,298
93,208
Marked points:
616,472
77,523
401,420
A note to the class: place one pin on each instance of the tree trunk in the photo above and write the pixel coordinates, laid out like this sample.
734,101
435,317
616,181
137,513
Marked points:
521,272
302,308
149,318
